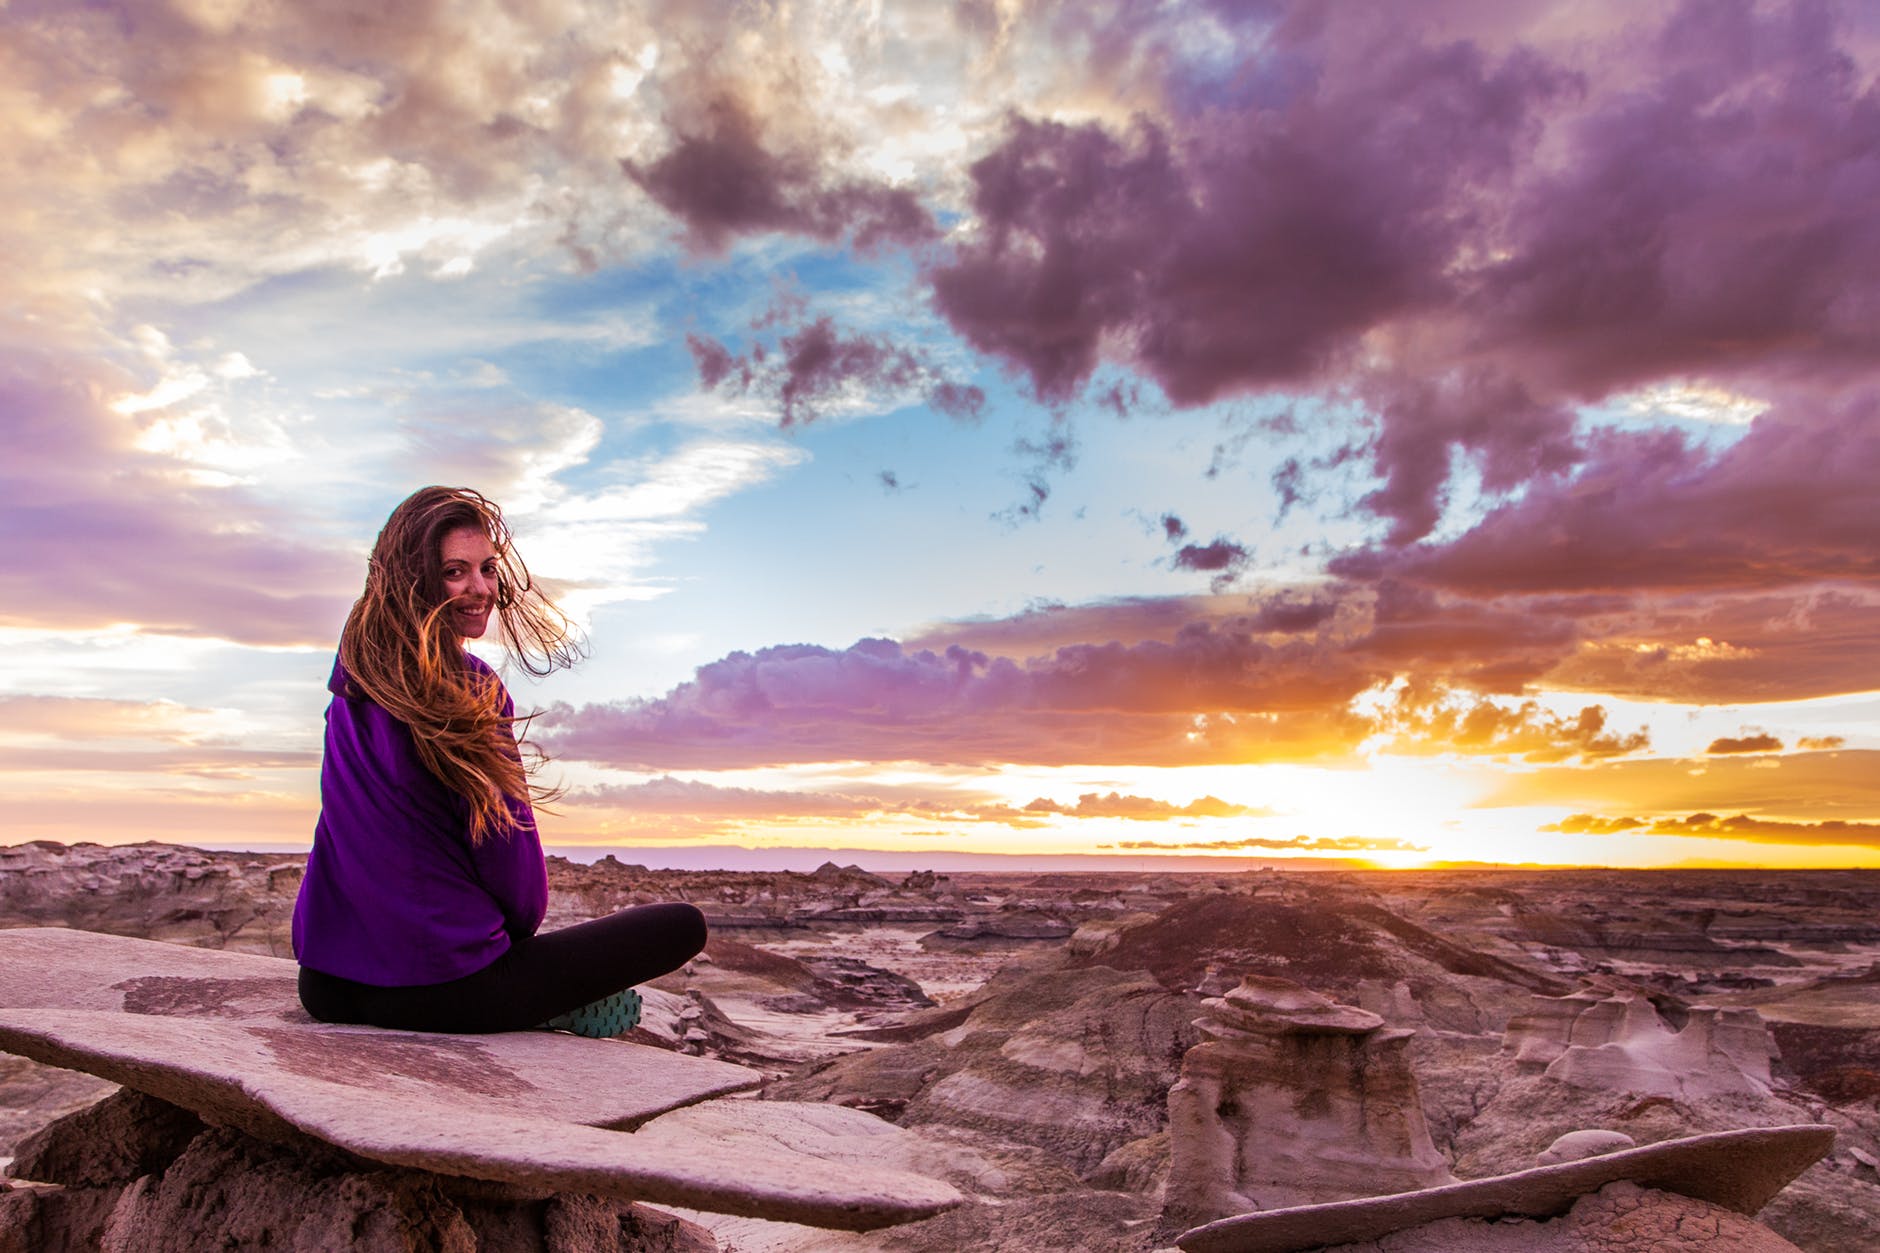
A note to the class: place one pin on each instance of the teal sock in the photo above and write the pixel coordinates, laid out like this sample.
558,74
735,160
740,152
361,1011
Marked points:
610,1016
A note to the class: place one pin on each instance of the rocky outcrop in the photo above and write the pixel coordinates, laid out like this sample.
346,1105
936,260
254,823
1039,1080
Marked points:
1335,941
534,1113
1619,1218
1074,1063
137,1175
1577,1146
237,901
1618,1042
1736,1172
1025,925
1293,1099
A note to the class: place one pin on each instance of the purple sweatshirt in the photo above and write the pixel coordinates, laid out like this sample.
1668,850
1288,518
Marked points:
394,894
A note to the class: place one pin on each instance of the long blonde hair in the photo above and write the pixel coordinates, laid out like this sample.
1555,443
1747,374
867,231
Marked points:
399,652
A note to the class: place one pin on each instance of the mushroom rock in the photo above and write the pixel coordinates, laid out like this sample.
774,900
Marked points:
1292,1099
1619,1042
1698,1193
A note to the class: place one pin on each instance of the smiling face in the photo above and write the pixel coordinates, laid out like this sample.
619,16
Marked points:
470,571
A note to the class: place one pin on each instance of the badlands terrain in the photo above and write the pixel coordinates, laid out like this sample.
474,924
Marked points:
1028,1028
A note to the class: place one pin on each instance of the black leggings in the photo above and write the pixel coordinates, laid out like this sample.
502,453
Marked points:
538,978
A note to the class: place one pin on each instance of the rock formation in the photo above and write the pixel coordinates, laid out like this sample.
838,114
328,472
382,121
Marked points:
531,1115
1292,1099
1618,1042
133,1174
1613,1202
1074,1063
238,901
1043,1094
1577,1146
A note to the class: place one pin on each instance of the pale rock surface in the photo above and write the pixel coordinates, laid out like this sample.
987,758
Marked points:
532,1109
136,1175
1577,1145
1293,1099
1735,1171
1072,1062
1618,1041
238,901
1619,1218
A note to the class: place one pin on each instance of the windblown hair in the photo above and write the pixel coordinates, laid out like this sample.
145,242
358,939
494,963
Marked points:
400,652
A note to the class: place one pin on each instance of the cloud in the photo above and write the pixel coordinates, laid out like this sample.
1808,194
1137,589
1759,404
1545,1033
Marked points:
1757,743
200,761
1298,843
1674,197
817,367
86,719
1725,649
1423,422
1237,248
1738,827
1223,558
1842,784
1208,695
1142,808
720,808
722,182
1653,511
1423,722
101,531
1711,218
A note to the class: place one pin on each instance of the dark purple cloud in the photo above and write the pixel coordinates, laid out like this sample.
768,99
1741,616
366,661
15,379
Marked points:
1240,249
1790,503
1222,558
721,181
812,365
1181,700
1715,218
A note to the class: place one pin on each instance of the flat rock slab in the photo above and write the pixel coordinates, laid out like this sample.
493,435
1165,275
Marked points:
535,1110
163,1008
59,968
1739,1170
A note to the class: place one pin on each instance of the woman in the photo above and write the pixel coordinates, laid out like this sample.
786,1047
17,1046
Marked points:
426,882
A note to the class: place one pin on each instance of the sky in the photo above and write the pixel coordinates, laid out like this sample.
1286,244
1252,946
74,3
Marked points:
1419,432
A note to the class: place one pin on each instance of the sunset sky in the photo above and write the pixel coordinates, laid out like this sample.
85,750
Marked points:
1413,431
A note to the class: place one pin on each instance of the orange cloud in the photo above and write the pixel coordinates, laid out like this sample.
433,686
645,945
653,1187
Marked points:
1424,722
1738,827
1838,785
1299,843
1141,808
1761,742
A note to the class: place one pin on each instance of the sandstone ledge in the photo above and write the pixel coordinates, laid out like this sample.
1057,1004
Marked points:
543,1112
1738,1170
